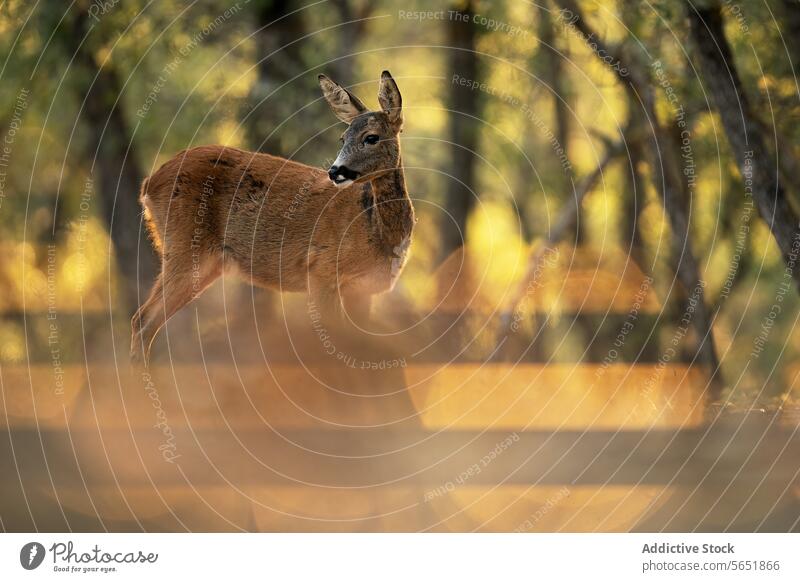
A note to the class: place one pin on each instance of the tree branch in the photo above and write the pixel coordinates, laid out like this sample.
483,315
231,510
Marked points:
746,140
564,221
664,161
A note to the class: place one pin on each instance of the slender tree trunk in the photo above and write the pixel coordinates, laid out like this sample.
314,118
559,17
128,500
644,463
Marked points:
670,183
114,163
277,35
634,200
553,74
632,208
462,129
746,140
354,17
791,27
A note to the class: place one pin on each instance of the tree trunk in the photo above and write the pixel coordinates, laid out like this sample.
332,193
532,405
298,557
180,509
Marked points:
632,208
112,157
553,75
746,140
463,130
348,38
668,180
635,198
277,35
791,28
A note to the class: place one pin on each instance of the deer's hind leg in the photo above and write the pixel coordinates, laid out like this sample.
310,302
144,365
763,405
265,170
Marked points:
182,278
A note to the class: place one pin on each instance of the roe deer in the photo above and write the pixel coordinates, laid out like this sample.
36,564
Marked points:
342,236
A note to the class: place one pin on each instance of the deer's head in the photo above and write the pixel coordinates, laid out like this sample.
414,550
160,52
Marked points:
370,144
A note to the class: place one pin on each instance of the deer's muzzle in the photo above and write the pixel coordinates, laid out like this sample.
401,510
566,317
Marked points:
341,175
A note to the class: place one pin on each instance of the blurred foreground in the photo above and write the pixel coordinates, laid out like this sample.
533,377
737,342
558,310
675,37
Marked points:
279,425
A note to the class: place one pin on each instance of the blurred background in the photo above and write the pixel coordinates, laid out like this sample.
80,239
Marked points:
607,196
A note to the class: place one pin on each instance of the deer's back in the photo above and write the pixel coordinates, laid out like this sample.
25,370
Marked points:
279,221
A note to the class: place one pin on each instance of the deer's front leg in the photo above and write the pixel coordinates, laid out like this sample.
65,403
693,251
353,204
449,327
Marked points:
325,300
357,307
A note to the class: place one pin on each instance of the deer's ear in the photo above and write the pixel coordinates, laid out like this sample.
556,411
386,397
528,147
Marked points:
345,105
390,99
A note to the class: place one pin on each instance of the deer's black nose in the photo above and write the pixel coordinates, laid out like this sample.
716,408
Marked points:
341,174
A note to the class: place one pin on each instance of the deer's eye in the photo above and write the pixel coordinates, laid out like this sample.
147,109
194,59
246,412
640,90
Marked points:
372,139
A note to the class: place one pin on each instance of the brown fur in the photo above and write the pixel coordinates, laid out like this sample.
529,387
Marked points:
279,223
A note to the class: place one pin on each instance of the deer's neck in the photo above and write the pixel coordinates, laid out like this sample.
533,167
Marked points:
394,210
